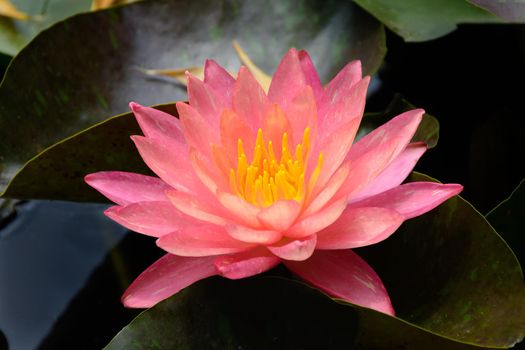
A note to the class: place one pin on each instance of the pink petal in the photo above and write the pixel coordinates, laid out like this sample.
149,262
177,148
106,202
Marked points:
206,101
287,80
335,149
412,199
328,191
197,131
275,124
157,124
197,207
234,128
165,277
394,174
218,79
358,227
171,164
150,218
280,215
124,188
209,174
201,241
246,264
367,167
249,100
297,249
343,274
338,90
317,221
346,105
310,74
250,235
242,211
401,127
302,113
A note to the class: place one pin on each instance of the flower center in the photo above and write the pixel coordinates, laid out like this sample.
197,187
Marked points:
267,179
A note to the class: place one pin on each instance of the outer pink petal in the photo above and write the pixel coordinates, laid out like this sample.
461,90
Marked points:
358,227
157,124
218,79
297,249
198,132
412,199
201,241
124,188
349,104
302,113
280,215
249,100
165,277
343,274
401,127
150,218
246,264
310,74
206,101
318,221
250,235
196,207
171,164
287,80
394,174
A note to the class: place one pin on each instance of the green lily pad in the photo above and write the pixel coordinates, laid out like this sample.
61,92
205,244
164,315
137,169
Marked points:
421,20
59,85
15,34
427,132
453,282
511,10
507,219
266,313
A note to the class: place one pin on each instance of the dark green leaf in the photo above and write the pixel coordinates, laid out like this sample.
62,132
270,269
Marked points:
59,85
511,10
427,132
452,280
508,219
267,313
448,271
420,20
15,34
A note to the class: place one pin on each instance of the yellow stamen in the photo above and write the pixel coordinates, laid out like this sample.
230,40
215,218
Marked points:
266,178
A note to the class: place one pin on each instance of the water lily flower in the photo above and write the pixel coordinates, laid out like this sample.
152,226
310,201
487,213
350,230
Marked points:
248,180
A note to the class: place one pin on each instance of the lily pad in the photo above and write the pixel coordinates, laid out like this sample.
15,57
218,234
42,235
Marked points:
266,313
59,85
511,10
453,282
421,20
15,34
507,219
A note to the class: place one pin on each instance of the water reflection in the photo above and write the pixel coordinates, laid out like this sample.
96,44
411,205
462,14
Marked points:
46,255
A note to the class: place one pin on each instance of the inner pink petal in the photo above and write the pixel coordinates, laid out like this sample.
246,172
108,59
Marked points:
201,241
296,249
249,99
219,80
